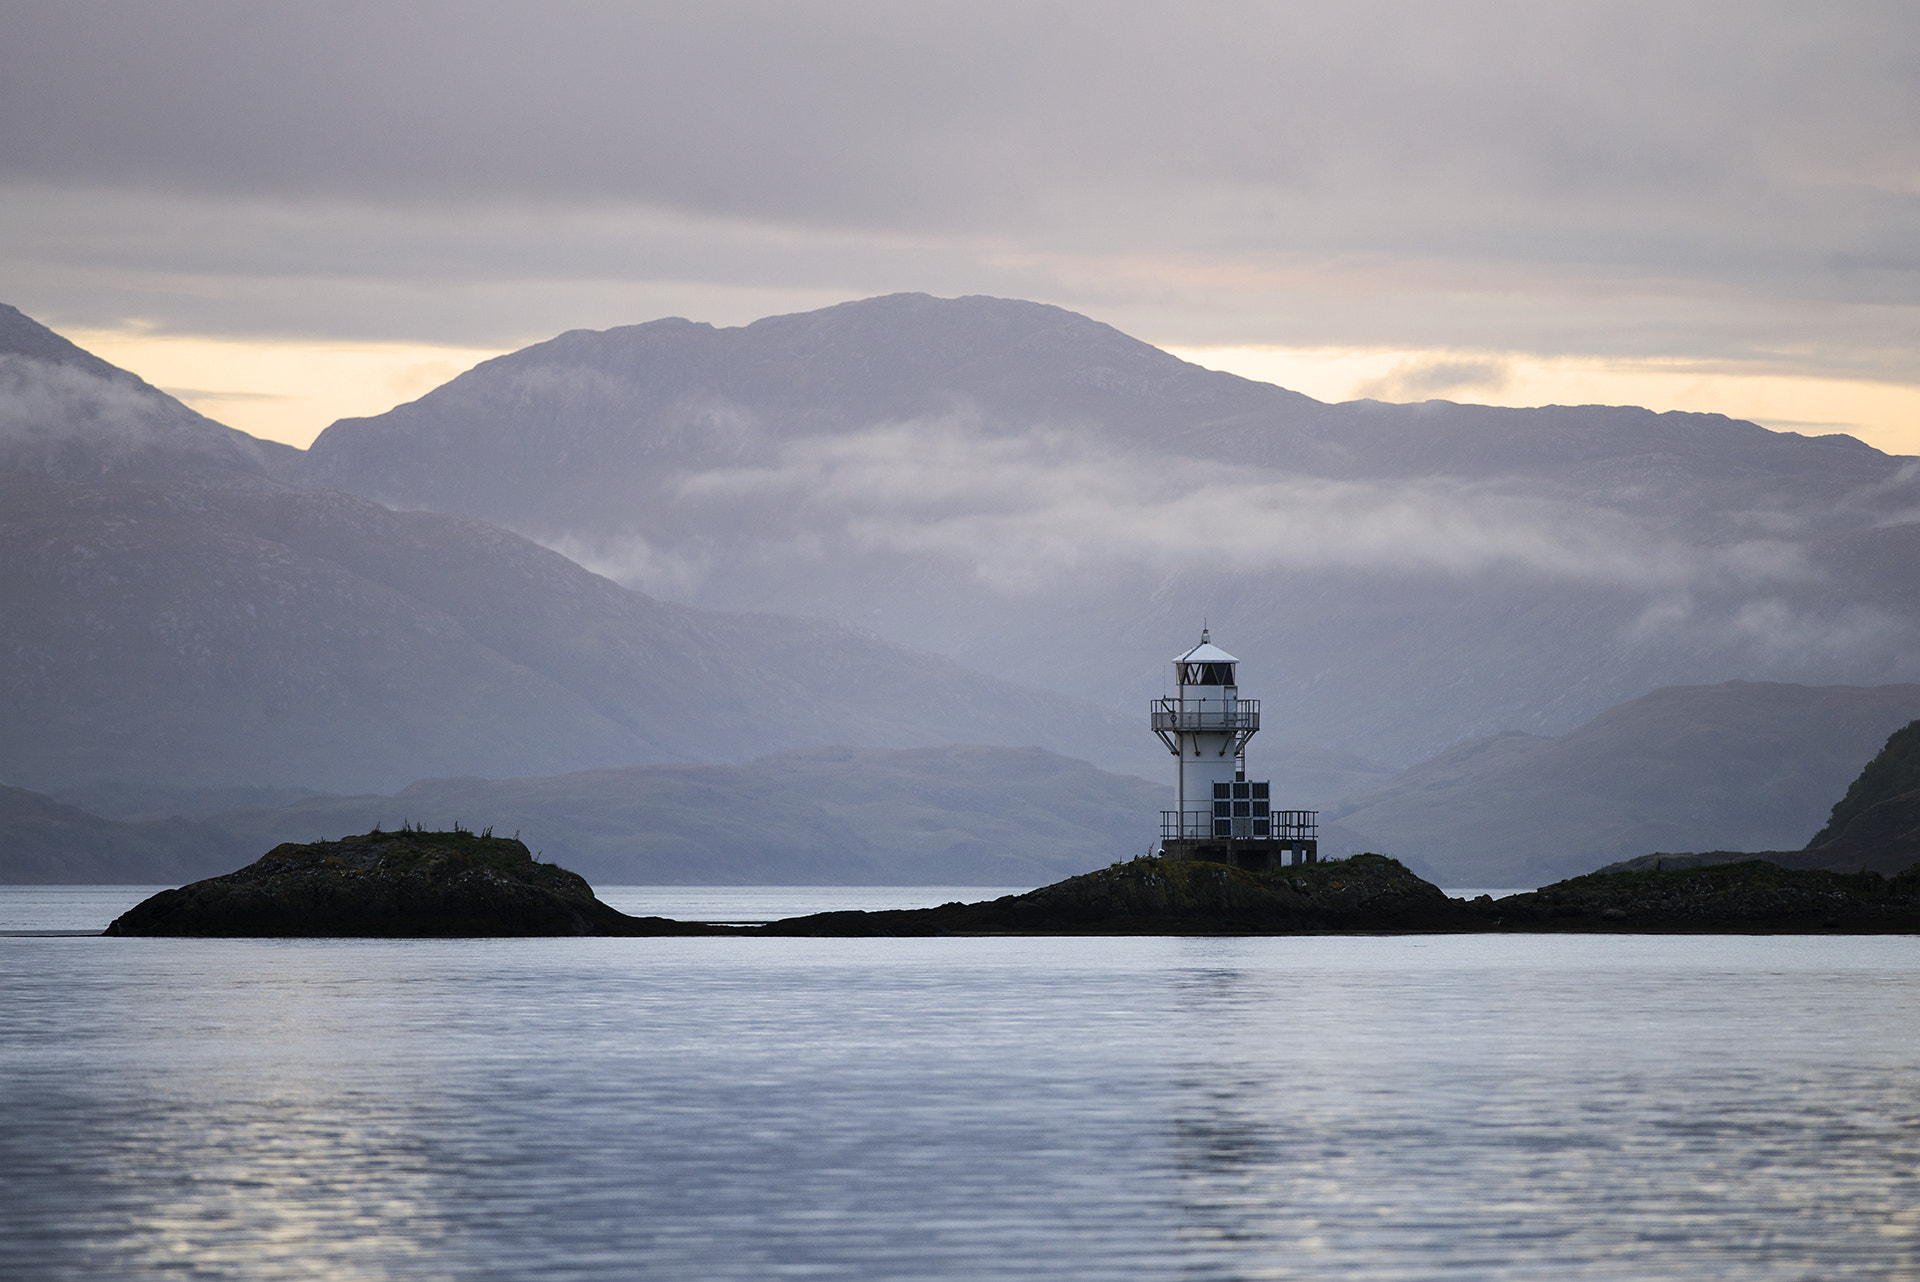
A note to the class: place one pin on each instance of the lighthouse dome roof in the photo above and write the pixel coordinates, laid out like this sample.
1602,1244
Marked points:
1205,652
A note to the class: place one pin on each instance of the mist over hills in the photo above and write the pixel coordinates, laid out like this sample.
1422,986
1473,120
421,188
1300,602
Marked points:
218,635
66,413
198,625
176,616
1006,482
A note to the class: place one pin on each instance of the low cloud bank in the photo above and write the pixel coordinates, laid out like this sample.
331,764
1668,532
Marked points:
1021,512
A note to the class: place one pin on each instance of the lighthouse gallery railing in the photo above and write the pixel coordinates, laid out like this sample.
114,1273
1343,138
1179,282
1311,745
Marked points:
1240,716
1275,825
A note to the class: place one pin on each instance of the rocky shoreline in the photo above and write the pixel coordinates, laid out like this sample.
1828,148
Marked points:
407,884
1367,894
450,884
1751,896
1372,894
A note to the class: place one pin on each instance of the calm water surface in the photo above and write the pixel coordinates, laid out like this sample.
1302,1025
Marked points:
1502,1107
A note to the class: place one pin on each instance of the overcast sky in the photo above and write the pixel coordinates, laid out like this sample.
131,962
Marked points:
290,212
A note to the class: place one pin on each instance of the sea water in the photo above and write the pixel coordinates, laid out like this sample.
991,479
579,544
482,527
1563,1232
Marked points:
1337,1107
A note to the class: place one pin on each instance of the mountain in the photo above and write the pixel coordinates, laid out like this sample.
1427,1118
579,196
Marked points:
178,618
196,620
1041,497
221,635
1736,766
1676,770
603,424
45,843
66,413
959,815
947,815
1876,825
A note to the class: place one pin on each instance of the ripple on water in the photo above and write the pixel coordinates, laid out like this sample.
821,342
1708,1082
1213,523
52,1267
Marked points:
1611,1107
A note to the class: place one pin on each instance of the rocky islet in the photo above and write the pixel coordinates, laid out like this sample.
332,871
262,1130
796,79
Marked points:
420,884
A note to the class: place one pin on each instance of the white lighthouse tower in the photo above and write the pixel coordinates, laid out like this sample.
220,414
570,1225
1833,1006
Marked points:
1222,816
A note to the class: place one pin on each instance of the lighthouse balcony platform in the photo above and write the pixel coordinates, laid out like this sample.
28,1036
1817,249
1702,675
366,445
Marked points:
1206,716
1243,840
1240,822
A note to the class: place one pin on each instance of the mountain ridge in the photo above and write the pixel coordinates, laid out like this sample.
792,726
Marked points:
180,617
1734,766
955,814
237,609
188,622
997,480
66,413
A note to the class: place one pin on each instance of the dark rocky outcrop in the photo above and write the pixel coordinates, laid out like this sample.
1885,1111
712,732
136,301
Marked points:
415,883
1668,861
1372,894
1874,828
1741,765
393,885
1755,896
1168,897
1876,825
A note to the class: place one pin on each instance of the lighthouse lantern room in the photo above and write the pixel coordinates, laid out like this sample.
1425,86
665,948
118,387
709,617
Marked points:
1222,816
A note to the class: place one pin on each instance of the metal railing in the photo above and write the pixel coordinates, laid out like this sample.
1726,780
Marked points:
1275,825
1241,716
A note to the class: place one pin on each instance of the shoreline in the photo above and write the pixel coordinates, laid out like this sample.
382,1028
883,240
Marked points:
430,885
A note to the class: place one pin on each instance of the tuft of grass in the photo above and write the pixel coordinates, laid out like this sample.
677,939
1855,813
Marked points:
413,844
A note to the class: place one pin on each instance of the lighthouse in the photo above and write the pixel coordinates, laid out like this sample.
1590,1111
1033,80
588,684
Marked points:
1221,815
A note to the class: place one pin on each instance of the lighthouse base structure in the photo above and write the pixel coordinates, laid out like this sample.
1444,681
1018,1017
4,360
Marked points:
1257,842
1253,854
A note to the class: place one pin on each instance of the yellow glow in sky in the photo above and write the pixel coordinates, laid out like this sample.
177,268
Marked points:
1884,415
290,391
282,391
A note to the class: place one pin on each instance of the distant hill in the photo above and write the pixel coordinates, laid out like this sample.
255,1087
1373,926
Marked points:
1876,825
949,815
1736,766
1512,810
178,619
1044,498
958,815
208,635
45,843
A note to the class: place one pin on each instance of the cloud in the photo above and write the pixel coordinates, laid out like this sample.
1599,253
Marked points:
1897,498
1423,380
974,116
64,420
630,558
41,401
1024,513
1565,178
1779,636
209,394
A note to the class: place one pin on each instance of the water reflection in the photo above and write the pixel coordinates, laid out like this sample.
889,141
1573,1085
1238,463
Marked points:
959,1108
1538,1123
273,1188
